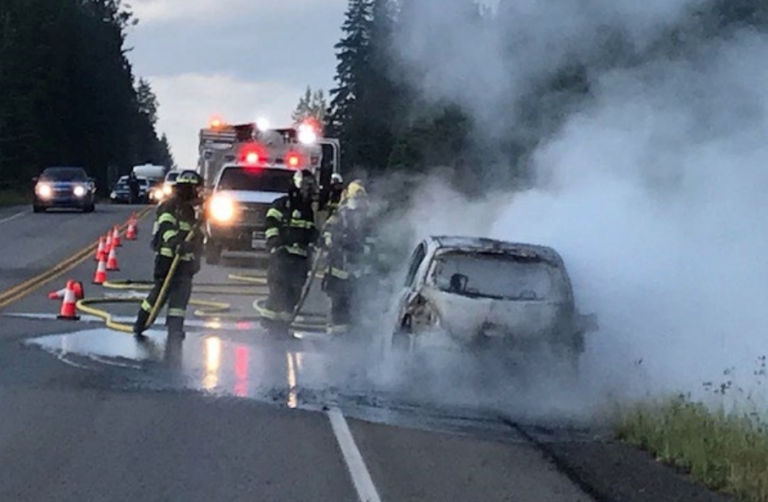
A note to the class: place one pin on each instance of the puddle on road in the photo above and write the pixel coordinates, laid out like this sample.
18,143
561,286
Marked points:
363,380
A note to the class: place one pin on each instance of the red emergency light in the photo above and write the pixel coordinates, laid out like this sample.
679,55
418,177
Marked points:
293,159
252,154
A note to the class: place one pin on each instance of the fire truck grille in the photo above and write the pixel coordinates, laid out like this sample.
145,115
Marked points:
254,214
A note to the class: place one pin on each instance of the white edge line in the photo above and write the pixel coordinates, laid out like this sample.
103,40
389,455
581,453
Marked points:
13,217
366,491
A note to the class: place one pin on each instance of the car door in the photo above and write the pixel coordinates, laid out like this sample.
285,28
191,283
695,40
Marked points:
411,284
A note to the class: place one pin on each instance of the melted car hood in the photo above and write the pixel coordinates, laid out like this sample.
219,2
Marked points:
248,196
465,317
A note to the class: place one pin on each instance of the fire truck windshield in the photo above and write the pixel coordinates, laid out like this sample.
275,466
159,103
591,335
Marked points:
256,180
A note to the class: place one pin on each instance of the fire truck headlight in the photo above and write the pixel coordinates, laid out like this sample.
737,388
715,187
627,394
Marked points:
222,209
44,190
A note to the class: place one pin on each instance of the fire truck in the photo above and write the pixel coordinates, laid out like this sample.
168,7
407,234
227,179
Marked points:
248,166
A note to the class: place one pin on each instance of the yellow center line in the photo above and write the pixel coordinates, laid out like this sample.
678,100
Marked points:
23,289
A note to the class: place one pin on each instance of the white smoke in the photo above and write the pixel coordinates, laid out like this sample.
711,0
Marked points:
653,189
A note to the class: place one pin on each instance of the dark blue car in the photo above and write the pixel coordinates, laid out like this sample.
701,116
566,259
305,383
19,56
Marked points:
64,187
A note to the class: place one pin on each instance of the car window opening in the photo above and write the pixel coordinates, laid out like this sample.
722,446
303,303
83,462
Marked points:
494,275
257,180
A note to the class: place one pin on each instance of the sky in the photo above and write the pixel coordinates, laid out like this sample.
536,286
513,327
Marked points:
237,59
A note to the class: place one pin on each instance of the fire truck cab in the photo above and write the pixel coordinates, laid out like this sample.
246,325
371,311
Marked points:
255,170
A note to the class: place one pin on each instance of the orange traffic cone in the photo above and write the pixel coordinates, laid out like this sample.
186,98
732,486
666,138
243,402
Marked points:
100,250
78,289
130,234
100,277
108,243
112,260
116,238
68,309
55,295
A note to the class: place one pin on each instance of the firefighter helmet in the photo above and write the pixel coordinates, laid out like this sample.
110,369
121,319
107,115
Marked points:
187,184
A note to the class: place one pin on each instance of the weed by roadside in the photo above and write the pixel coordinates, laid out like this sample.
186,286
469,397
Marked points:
723,447
10,197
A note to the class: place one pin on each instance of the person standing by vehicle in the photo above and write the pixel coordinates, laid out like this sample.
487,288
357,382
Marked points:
176,218
349,240
291,233
336,192
133,188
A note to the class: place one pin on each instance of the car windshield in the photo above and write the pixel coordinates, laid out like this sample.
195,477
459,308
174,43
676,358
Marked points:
491,275
256,180
64,174
171,177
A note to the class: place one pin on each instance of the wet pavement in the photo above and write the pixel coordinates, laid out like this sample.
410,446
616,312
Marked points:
233,413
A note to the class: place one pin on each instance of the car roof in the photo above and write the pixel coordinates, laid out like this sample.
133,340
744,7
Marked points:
443,242
58,168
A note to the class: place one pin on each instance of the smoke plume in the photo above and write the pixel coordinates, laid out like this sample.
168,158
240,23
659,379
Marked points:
652,187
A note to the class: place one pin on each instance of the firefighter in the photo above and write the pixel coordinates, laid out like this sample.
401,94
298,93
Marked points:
291,234
133,188
337,189
349,241
176,217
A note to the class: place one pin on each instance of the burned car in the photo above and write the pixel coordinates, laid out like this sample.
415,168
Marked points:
489,294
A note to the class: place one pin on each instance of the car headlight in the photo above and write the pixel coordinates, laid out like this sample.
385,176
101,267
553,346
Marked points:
222,208
167,189
79,191
112,195
44,190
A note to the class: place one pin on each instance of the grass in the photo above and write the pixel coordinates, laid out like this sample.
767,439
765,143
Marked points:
10,197
726,450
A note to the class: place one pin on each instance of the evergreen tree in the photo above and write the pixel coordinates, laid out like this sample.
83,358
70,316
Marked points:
311,105
67,93
344,120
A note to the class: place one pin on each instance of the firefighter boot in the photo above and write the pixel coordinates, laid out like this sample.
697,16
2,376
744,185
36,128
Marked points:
141,324
175,327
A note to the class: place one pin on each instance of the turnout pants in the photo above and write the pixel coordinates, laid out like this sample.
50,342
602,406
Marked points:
177,299
286,276
344,303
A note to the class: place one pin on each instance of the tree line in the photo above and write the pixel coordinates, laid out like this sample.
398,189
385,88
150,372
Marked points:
68,94
387,127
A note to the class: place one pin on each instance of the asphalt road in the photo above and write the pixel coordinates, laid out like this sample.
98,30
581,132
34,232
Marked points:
234,414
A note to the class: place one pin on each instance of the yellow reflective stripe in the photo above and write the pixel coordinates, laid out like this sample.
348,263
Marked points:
302,224
272,232
296,250
341,274
167,252
146,306
166,218
274,213
176,312
272,314
169,234
337,329
183,225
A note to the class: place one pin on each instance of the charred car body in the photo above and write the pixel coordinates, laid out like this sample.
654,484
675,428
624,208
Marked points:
483,293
